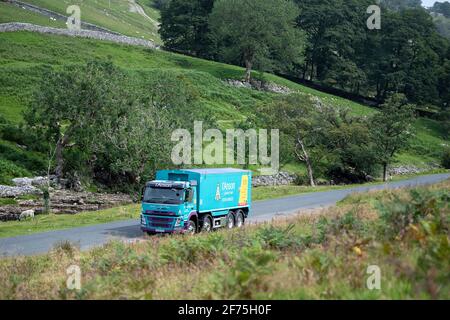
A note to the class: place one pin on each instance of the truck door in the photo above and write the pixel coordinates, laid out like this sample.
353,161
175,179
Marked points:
190,200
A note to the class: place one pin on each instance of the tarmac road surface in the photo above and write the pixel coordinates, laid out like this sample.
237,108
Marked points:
90,236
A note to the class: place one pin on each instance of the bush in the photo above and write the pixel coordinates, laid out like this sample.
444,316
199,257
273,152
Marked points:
348,223
446,159
190,250
279,238
245,277
9,170
397,214
30,160
301,180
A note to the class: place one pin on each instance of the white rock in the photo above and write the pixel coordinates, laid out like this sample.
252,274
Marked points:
22,182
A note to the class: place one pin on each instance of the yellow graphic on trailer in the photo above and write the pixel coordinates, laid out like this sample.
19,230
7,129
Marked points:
243,192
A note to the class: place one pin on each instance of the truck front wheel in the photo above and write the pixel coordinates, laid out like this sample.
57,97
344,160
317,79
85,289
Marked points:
206,225
230,220
192,227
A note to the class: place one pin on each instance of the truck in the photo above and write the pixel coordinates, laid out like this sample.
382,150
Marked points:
196,200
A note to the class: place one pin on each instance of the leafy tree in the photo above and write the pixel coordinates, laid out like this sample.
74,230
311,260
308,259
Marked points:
115,127
391,129
442,8
68,101
184,26
334,30
257,33
294,116
397,5
346,145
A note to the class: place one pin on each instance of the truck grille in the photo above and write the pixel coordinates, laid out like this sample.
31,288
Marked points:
160,213
160,222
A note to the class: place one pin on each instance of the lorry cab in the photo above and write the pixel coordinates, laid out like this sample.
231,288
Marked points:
193,200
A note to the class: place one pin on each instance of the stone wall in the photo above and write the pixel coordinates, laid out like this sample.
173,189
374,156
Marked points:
280,179
98,35
58,16
259,85
410,169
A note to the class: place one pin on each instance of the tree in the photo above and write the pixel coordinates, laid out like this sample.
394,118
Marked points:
391,129
294,116
442,8
346,145
131,144
68,101
257,33
397,5
112,126
184,26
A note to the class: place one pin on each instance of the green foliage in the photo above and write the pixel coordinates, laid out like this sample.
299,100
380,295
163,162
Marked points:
260,33
446,159
30,161
184,26
330,140
401,4
244,279
9,170
337,227
391,128
7,201
97,111
279,238
397,214
348,152
406,55
193,249
443,8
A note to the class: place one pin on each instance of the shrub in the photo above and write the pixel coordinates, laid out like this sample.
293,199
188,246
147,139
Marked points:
190,250
9,170
245,277
279,238
397,214
30,160
446,159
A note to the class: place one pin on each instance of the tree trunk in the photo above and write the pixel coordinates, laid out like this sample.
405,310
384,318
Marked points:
385,174
308,163
248,70
59,159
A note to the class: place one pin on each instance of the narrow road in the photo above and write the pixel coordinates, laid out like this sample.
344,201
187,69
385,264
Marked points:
135,7
87,237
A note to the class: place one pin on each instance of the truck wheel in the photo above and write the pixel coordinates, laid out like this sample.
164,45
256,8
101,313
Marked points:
206,224
240,220
230,220
192,227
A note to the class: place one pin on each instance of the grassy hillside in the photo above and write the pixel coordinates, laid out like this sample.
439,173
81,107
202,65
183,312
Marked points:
115,15
13,13
24,57
324,255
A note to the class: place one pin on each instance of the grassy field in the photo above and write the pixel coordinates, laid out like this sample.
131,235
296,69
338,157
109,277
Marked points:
13,13
24,57
114,15
324,255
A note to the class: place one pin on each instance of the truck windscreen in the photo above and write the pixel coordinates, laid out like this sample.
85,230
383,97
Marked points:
163,195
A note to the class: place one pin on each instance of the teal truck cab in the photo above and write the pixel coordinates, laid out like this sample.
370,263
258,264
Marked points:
194,200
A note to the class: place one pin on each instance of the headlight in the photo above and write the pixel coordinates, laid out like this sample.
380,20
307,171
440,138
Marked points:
143,222
178,222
